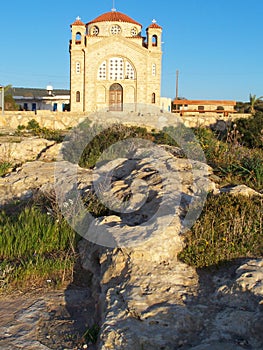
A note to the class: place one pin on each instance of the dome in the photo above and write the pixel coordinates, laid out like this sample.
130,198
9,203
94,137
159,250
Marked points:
114,16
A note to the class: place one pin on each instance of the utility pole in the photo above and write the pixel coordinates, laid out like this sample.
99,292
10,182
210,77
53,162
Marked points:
176,89
2,104
177,78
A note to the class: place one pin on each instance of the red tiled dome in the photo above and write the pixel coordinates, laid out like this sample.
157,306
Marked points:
114,16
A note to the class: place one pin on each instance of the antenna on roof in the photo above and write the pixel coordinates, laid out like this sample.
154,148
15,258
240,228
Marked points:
113,6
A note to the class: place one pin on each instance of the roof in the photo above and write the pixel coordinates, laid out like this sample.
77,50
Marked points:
35,92
78,22
205,102
155,25
114,16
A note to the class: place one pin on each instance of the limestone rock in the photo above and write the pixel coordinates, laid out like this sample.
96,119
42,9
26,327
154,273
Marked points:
27,150
241,190
33,176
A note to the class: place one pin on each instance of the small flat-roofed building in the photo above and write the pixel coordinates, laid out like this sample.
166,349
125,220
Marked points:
49,99
189,107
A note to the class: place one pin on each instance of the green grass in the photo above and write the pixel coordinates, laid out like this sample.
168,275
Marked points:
229,228
35,246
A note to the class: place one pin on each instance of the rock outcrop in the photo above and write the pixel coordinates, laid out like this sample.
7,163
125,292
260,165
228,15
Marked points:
27,150
146,299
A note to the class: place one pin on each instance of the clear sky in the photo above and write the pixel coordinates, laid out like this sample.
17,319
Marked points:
215,44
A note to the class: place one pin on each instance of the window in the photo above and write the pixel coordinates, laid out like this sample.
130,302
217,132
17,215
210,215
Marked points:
77,96
154,40
102,71
154,69
201,109
153,97
78,39
129,73
115,29
116,68
94,30
134,31
78,68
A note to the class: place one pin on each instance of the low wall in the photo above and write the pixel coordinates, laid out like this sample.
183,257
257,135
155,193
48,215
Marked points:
65,120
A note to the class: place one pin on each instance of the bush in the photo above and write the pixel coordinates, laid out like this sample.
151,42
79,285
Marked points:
231,161
34,128
251,130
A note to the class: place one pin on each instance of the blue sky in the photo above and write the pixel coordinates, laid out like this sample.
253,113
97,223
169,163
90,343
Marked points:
215,44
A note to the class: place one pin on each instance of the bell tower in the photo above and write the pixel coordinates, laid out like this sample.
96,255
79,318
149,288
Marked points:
154,36
77,65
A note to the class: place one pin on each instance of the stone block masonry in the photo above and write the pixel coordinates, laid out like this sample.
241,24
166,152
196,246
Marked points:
149,119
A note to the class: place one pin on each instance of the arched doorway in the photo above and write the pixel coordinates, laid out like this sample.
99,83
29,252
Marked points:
116,97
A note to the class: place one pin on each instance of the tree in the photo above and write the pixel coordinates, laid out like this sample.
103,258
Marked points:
253,101
10,104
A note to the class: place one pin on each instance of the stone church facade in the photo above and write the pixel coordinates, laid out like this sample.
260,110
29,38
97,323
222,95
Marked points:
112,66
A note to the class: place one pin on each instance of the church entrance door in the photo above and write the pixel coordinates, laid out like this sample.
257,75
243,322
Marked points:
116,97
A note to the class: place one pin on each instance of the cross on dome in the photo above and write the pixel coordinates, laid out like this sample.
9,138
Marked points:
154,21
78,18
113,6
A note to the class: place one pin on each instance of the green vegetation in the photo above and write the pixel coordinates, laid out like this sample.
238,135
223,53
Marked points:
89,143
36,247
107,139
231,161
254,101
10,104
91,334
33,128
229,228
4,167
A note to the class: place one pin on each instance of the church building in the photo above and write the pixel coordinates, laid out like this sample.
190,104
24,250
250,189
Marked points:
112,65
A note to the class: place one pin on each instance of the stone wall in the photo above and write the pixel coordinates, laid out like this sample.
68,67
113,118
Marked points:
146,117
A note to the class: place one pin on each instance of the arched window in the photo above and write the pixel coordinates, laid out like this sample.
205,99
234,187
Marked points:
153,97
77,96
78,38
78,68
154,40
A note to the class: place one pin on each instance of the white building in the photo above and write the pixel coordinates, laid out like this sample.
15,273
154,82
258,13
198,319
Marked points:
41,99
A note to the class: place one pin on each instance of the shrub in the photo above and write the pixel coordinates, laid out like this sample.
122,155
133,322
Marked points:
34,129
251,130
231,161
